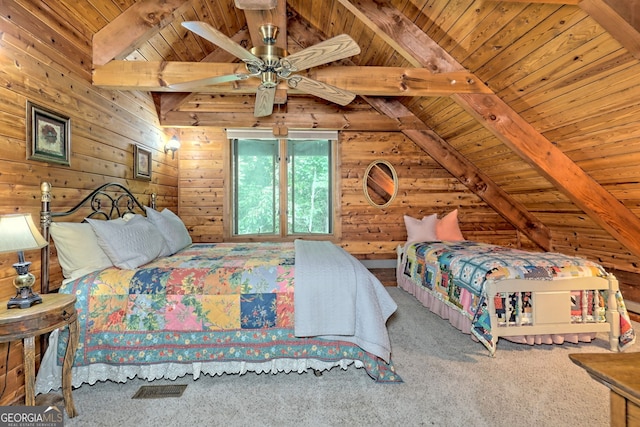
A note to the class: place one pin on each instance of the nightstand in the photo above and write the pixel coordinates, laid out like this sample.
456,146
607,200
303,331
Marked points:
55,311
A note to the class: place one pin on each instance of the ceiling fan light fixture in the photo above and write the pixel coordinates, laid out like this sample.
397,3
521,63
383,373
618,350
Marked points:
269,79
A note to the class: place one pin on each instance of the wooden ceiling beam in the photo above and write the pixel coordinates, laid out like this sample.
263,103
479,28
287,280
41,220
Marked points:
260,13
171,101
451,159
468,174
132,28
357,121
621,19
515,132
572,2
157,76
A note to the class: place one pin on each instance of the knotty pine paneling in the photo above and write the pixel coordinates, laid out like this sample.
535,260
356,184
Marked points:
423,188
552,63
46,59
366,232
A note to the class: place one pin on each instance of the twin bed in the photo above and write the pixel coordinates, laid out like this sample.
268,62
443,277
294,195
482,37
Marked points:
491,291
151,304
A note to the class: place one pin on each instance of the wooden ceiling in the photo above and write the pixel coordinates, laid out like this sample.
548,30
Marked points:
533,86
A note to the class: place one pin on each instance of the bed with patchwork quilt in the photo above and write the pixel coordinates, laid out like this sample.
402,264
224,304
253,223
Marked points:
491,291
224,308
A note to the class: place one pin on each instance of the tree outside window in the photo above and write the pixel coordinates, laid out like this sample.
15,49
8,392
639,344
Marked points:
282,195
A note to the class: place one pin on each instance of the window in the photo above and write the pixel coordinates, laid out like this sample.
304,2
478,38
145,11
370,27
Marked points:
282,195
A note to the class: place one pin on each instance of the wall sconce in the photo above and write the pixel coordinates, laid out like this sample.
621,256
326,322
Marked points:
172,145
18,233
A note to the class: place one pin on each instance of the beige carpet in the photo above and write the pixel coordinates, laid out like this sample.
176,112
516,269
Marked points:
449,380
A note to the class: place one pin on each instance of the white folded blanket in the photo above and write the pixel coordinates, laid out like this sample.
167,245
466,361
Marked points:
337,298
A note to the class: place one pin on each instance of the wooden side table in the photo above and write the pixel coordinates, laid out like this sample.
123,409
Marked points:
621,373
55,311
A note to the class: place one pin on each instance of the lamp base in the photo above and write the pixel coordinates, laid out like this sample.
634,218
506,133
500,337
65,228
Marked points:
24,299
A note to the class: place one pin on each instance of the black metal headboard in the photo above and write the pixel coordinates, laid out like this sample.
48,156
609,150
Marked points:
109,201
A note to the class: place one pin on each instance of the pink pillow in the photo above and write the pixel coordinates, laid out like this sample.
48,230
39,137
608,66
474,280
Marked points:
447,228
423,230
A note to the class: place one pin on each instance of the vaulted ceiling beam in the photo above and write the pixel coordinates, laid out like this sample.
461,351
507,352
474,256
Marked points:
448,157
357,121
171,101
261,12
575,2
621,19
515,132
467,173
132,28
157,76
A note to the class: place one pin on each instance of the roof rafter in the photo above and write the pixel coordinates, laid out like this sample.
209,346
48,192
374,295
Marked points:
515,132
131,28
619,17
468,174
451,159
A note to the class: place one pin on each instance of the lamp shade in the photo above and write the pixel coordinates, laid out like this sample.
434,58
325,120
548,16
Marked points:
19,233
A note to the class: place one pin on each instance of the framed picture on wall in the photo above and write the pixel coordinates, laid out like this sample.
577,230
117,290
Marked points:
48,135
141,163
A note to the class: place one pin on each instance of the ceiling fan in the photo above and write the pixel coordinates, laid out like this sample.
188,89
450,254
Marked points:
273,64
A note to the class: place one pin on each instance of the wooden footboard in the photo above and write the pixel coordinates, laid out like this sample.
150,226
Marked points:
550,309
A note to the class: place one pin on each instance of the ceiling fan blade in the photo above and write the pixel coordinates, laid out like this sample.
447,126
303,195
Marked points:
338,47
187,86
321,90
264,101
220,39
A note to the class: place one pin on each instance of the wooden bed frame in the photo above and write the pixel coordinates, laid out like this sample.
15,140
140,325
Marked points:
109,201
551,306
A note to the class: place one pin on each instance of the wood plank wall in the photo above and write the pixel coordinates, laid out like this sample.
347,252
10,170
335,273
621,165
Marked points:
45,58
43,61
367,232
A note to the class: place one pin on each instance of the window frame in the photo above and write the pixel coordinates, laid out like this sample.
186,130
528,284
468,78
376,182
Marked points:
229,193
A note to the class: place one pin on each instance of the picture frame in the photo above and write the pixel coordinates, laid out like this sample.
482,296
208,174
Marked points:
141,163
48,135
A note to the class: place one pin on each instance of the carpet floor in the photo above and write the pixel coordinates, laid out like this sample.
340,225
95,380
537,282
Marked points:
449,380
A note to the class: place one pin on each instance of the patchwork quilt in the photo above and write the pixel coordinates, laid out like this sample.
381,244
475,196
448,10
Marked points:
455,272
209,302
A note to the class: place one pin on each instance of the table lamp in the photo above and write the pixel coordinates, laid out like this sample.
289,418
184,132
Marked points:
18,233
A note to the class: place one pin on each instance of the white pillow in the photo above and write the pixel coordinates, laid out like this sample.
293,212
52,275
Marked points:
171,227
423,230
78,250
128,244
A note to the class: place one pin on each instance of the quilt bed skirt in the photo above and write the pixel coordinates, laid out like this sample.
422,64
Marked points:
50,373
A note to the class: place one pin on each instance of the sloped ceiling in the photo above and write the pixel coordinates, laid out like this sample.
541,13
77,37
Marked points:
519,97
